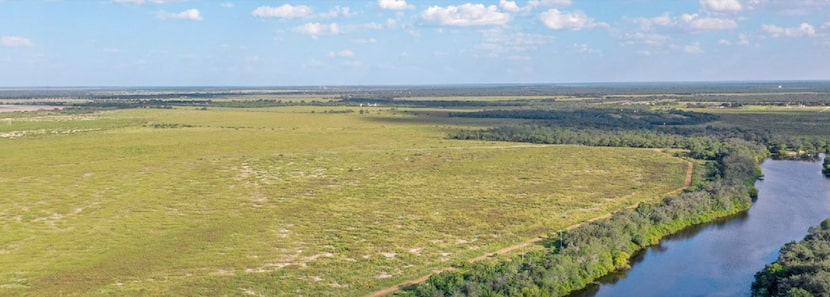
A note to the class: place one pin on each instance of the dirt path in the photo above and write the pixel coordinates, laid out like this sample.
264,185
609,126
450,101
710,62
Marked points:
689,171
388,290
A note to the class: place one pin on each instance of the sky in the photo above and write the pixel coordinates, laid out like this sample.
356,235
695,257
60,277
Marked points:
409,42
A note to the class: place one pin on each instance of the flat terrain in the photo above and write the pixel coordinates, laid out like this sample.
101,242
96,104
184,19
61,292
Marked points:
790,120
13,108
289,201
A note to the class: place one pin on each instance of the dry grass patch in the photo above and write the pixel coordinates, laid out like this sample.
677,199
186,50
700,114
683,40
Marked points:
284,202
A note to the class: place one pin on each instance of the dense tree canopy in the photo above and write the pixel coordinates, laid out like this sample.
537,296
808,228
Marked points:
802,268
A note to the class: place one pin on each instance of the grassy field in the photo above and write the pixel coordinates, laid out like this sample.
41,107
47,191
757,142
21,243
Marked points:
282,201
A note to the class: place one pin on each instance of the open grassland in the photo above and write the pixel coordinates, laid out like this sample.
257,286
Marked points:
282,201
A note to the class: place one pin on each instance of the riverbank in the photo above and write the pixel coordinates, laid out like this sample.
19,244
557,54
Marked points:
721,258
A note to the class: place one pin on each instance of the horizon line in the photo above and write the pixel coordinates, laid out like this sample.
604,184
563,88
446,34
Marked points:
82,87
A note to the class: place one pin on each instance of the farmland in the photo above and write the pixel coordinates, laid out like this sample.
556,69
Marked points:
287,200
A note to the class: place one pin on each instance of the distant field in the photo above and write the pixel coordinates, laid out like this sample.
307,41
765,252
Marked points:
484,98
13,108
282,201
796,121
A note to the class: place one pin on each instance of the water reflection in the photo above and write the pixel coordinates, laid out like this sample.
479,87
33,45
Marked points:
720,259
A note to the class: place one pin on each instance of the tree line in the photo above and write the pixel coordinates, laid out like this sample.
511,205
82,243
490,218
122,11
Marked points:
802,268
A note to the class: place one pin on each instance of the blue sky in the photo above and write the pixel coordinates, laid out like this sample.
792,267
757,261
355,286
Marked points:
383,42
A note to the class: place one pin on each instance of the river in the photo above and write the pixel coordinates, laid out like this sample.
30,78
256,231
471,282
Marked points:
721,258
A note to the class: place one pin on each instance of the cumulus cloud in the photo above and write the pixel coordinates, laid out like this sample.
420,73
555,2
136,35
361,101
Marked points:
286,11
688,22
509,6
707,23
394,4
15,41
226,4
693,48
464,15
316,29
721,5
559,20
804,29
190,15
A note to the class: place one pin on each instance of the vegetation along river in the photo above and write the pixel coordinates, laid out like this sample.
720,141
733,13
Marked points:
721,258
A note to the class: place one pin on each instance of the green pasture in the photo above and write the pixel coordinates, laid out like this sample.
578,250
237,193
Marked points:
282,201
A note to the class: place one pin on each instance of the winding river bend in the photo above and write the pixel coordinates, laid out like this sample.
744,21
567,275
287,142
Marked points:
721,258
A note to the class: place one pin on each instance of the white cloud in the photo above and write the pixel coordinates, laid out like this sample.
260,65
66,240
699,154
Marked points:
391,23
366,26
190,14
583,48
558,20
286,11
337,11
649,39
317,29
499,43
693,48
688,22
826,25
647,53
743,39
546,3
145,1
226,4
366,40
804,29
509,6
342,54
789,7
466,15
721,5
395,4
707,23
15,41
